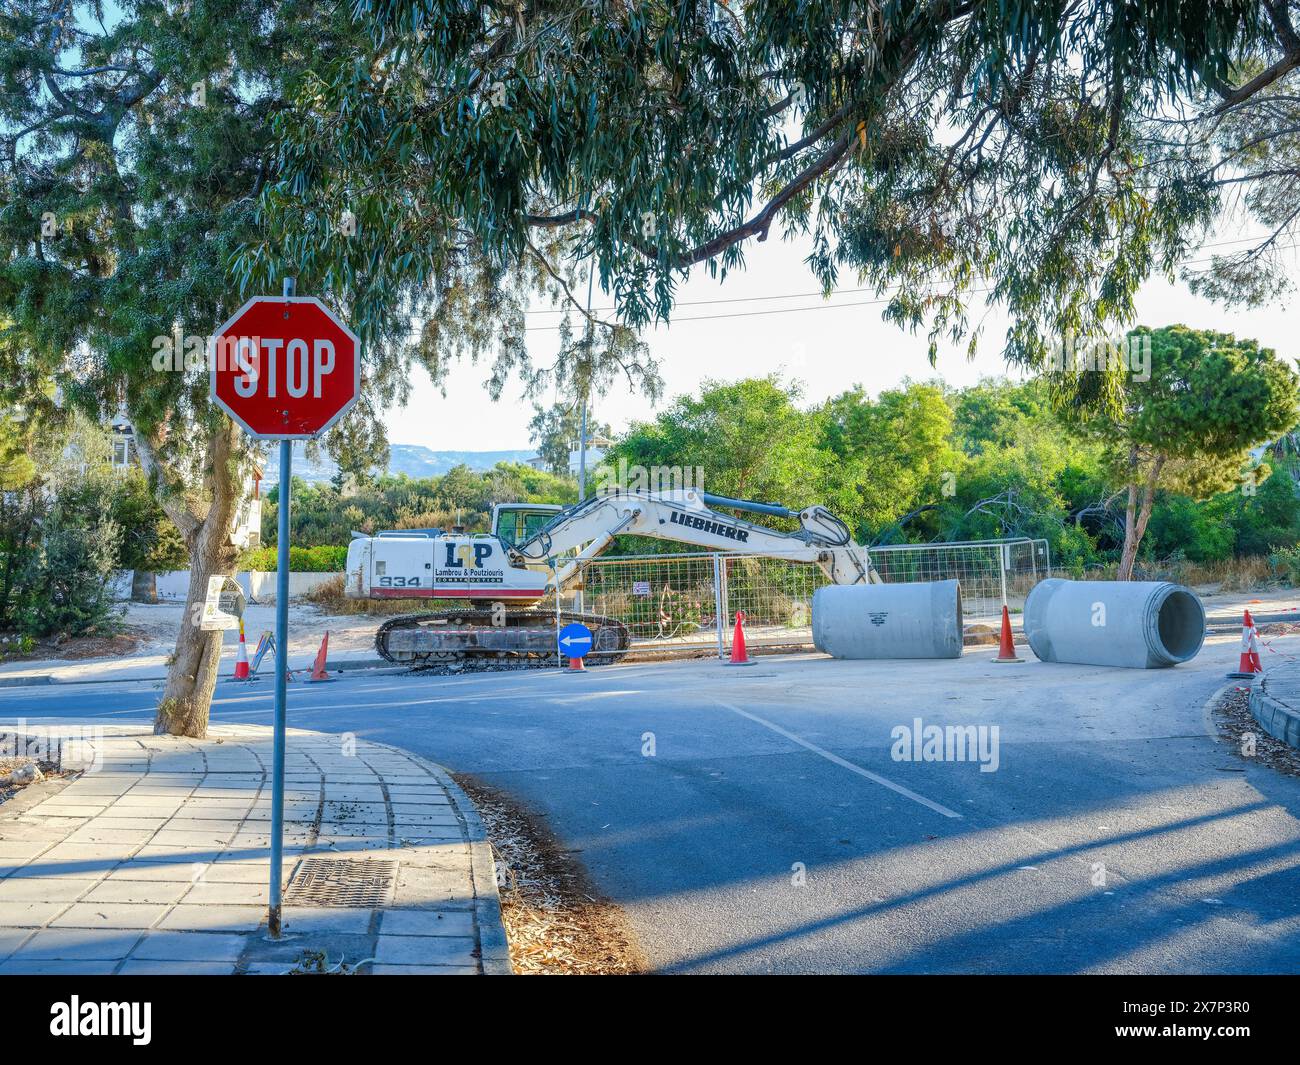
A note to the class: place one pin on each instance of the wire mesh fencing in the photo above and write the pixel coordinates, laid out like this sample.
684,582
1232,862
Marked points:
991,572
687,603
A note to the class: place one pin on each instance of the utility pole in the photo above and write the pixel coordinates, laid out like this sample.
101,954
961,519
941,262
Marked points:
582,427
582,431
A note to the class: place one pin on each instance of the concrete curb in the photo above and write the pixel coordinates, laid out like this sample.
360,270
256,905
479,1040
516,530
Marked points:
26,682
1275,717
487,902
494,949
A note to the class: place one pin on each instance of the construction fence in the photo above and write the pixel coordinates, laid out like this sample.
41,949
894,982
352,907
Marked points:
672,603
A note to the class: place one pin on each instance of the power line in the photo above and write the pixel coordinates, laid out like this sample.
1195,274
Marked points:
837,306
845,291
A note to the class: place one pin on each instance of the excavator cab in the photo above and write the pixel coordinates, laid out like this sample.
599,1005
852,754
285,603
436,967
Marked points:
514,523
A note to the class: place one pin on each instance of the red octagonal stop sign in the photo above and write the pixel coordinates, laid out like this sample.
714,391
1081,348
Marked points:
285,368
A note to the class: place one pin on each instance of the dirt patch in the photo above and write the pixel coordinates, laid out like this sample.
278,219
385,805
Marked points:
1237,725
49,770
556,922
1278,628
80,647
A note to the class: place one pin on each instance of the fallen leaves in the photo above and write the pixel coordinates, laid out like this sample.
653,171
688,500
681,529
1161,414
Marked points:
556,922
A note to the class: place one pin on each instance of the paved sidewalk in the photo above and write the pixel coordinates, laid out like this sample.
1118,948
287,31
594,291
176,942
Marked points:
155,859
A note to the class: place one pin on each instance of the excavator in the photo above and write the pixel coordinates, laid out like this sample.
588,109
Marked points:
537,549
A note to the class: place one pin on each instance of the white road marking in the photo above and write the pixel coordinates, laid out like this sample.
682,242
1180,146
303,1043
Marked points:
841,762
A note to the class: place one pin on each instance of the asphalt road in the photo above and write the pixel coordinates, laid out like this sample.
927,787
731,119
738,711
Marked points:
757,820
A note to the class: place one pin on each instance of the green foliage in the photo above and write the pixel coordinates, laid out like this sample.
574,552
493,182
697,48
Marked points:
69,526
68,574
749,437
1285,562
150,541
1268,517
1201,531
922,463
950,144
556,429
881,459
1185,424
325,558
327,514
1209,394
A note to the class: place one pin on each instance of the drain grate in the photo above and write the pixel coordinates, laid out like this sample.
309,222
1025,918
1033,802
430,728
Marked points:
341,882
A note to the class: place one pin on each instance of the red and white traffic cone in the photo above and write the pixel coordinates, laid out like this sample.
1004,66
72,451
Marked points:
1249,666
1006,646
576,666
739,657
318,668
241,656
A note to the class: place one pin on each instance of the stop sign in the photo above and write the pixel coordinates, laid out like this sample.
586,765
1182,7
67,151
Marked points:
285,368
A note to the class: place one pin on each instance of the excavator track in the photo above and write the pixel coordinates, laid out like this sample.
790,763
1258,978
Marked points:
451,636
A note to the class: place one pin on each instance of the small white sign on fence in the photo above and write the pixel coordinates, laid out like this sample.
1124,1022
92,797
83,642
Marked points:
224,606
641,588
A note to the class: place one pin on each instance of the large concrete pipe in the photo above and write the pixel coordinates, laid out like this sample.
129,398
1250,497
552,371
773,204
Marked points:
1141,624
888,620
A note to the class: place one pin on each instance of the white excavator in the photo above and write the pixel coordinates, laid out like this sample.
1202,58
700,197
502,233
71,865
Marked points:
536,549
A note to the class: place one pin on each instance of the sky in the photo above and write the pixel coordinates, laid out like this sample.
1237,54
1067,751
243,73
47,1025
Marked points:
829,345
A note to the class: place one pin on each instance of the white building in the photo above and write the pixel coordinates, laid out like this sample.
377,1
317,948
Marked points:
596,448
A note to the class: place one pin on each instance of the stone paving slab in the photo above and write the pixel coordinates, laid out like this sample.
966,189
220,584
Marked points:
153,859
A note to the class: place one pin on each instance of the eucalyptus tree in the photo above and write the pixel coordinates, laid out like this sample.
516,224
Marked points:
1241,137
935,149
136,139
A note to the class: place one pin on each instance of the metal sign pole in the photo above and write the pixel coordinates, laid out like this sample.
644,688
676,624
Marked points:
718,610
281,674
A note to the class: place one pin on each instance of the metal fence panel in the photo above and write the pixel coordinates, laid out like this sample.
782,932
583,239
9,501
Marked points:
673,603
991,572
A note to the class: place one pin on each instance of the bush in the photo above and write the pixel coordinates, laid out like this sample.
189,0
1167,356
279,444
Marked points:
150,541
1286,564
68,575
326,558
1187,528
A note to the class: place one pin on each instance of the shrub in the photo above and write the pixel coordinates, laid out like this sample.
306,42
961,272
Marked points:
68,575
150,541
1286,564
325,558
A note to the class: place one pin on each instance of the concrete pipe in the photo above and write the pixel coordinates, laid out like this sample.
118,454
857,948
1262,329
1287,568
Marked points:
888,620
1140,624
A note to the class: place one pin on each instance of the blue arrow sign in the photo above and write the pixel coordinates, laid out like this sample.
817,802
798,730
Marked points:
575,640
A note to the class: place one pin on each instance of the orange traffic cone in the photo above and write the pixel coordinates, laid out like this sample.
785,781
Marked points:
1249,665
1006,646
318,668
241,656
739,657
576,666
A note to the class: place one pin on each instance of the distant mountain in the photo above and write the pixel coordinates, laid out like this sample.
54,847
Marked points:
414,460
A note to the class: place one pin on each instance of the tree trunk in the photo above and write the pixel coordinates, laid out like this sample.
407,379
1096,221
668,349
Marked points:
1128,556
192,672
1137,514
207,529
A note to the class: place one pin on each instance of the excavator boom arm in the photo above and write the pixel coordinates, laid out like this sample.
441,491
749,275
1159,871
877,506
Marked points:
683,516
